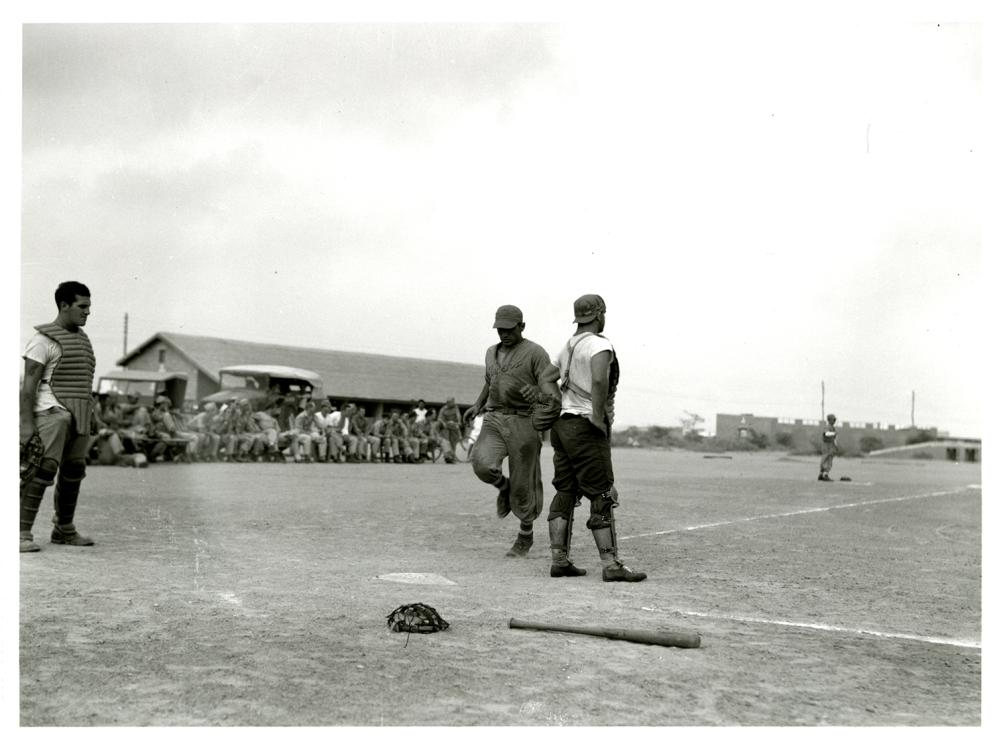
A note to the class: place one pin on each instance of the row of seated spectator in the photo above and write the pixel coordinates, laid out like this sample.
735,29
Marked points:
284,428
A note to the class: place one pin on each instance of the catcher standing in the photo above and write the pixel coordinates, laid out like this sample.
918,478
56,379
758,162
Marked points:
57,406
507,431
587,369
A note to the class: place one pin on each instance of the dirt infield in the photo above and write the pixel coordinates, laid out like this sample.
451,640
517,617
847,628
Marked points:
223,595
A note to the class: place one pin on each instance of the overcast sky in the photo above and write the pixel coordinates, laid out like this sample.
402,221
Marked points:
763,207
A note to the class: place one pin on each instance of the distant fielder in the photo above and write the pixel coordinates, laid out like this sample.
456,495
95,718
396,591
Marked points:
829,448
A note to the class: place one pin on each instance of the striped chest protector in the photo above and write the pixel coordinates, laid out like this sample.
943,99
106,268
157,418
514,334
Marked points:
73,377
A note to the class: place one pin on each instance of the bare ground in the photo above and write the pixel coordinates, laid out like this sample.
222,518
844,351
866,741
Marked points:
223,595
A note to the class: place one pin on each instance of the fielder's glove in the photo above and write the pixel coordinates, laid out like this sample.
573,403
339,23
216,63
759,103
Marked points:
415,618
32,454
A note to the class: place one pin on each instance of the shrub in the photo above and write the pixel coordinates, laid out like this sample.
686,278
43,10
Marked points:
785,439
870,443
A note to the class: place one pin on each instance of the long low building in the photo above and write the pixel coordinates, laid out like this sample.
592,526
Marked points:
375,381
864,437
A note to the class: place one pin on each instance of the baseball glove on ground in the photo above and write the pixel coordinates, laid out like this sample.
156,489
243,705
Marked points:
415,618
32,454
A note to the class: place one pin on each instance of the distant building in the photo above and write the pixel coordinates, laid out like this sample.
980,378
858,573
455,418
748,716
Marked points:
866,437
375,381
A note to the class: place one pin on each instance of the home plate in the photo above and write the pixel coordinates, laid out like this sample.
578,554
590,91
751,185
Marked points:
423,579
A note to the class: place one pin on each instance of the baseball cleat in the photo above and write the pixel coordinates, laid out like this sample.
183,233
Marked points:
622,573
566,571
521,546
73,538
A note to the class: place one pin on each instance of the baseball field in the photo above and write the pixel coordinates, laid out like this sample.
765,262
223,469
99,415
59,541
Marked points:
257,595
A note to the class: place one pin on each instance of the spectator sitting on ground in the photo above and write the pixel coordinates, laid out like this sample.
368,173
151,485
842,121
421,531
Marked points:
206,425
381,451
240,431
420,439
360,429
321,431
335,434
399,434
266,443
107,445
436,440
372,447
308,431
167,425
349,438
138,423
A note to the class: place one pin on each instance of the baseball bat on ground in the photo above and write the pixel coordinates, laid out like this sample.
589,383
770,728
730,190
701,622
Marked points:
651,637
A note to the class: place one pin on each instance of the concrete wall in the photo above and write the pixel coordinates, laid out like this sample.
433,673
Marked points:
961,451
805,433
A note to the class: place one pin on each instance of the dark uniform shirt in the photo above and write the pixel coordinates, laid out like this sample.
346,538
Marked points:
507,372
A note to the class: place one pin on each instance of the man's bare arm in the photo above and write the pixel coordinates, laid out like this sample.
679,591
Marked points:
600,367
29,386
474,411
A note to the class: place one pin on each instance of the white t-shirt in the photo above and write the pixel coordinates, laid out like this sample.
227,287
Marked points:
335,420
45,351
421,414
587,345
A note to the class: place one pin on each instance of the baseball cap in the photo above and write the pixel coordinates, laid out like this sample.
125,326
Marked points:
508,316
587,307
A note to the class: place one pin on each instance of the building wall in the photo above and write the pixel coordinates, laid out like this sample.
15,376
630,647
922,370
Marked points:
961,451
171,360
162,355
805,433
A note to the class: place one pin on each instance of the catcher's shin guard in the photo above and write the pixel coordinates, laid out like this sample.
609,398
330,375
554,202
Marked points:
33,491
561,526
67,491
602,524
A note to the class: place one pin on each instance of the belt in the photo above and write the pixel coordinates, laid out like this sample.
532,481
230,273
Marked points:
515,412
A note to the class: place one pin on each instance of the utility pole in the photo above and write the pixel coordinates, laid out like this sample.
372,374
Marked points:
913,408
125,337
822,400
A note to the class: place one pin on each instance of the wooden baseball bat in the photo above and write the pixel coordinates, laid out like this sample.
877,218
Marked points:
652,637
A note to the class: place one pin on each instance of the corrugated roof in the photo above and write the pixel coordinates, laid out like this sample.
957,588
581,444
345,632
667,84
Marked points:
372,377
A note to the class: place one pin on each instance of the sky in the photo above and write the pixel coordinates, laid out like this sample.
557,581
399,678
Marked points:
770,210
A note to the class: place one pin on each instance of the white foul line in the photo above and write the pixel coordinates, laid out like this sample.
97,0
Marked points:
797,513
831,628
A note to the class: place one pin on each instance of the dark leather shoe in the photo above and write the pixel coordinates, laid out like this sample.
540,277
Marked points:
521,546
566,571
72,538
622,573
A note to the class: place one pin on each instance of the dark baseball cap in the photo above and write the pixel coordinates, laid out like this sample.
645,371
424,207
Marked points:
508,316
587,307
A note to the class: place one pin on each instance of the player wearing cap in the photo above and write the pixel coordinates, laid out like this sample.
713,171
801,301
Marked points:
507,431
829,448
56,404
587,369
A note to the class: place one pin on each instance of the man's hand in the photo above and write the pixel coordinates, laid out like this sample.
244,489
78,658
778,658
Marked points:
533,394
470,414
599,424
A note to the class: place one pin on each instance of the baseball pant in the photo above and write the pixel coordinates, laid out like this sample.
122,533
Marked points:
512,437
